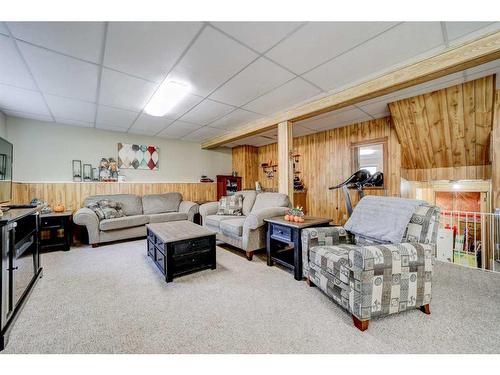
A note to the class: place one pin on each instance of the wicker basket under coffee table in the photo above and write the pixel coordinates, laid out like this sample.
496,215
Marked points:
181,247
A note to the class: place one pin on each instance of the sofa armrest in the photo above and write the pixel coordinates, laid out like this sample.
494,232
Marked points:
406,268
85,216
255,219
189,208
209,208
320,236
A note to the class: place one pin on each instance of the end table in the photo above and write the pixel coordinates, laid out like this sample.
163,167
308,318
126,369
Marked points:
287,232
55,230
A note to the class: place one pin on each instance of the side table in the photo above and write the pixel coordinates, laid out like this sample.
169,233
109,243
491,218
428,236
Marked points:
55,230
286,232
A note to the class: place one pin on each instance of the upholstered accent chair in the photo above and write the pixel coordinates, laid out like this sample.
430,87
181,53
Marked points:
248,231
374,280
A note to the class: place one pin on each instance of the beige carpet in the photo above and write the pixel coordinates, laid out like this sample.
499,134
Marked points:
113,300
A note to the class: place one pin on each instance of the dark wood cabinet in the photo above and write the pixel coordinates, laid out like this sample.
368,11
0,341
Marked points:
227,185
55,230
20,263
181,255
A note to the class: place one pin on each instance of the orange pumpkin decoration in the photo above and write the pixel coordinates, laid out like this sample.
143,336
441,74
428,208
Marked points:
296,219
59,208
287,217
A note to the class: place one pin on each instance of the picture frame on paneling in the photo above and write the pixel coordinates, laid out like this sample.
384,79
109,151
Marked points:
95,174
77,170
87,172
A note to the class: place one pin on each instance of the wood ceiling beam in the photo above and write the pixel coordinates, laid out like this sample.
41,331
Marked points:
478,52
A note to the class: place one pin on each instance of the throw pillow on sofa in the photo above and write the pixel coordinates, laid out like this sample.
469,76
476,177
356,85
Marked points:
107,209
231,205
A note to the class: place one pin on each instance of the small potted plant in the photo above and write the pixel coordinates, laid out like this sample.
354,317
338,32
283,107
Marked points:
295,214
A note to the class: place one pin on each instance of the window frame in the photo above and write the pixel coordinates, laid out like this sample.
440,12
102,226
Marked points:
370,142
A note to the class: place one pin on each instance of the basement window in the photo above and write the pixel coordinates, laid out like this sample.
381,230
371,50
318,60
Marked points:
369,155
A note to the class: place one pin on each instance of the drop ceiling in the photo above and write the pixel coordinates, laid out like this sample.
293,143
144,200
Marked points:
102,74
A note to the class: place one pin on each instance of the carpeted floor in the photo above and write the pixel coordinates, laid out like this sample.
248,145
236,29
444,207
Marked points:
113,300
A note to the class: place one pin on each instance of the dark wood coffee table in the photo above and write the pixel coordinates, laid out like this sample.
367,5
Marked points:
180,247
280,231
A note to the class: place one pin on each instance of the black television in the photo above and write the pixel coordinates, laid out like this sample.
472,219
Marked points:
5,170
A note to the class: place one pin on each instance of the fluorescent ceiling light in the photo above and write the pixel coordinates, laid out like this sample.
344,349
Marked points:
168,95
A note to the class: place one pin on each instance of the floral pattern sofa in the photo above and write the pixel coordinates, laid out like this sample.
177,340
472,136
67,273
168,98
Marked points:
375,280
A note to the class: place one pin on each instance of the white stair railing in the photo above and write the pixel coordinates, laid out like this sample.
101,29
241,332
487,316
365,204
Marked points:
470,239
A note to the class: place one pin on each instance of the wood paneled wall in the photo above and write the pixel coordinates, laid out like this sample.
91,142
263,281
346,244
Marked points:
495,148
446,128
267,154
473,172
326,161
244,160
72,195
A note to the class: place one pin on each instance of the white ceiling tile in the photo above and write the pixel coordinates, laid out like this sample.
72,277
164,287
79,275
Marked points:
455,30
108,117
258,35
79,39
203,133
111,128
484,67
147,124
147,49
396,46
375,108
61,75
261,141
13,71
3,29
317,42
206,112
258,78
188,102
335,119
21,100
123,91
473,76
32,116
210,61
179,129
283,97
234,119
82,124
71,109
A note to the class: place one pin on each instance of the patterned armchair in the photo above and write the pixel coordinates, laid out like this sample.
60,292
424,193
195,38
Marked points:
373,280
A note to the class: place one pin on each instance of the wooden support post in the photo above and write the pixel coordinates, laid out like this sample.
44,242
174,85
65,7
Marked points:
495,151
285,165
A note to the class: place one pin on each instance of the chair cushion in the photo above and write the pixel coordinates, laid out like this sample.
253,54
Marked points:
230,205
160,203
423,225
131,204
123,222
214,221
167,216
266,200
232,227
332,259
248,200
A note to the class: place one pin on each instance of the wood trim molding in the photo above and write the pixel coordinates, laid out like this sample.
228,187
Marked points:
477,52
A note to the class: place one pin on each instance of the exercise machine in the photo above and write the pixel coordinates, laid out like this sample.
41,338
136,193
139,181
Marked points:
359,180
